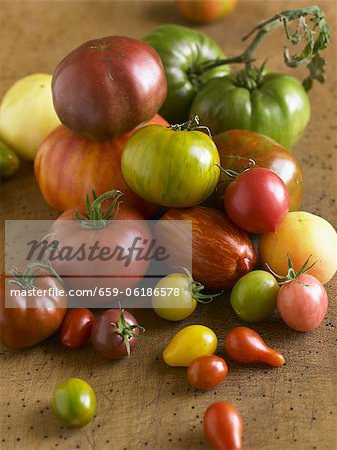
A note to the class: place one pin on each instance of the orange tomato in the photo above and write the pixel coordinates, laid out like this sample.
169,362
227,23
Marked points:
204,11
300,235
67,167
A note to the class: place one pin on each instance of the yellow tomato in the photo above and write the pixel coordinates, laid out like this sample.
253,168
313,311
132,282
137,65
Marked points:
188,344
300,235
172,298
204,11
27,114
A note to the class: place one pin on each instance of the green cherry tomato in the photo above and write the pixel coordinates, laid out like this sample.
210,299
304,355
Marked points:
277,106
183,52
254,296
9,162
74,402
171,166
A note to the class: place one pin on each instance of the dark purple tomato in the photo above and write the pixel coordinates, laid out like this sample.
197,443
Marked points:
108,86
114,334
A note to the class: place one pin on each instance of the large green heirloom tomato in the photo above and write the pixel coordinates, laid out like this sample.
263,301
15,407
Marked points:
171,166
275,105
183,51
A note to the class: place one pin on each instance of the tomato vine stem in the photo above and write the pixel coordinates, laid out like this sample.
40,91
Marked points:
310,55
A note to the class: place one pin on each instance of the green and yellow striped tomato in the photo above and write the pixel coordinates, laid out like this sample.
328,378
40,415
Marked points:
174,167
74,402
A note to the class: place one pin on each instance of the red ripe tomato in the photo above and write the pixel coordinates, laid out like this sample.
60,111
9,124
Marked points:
207,372
67,167
114,334
221,252
76,328
257,200
101,270
303,303
31,319
223,426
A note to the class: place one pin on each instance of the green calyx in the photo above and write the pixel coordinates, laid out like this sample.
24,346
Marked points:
95,218
250,78
191,125
26,278
292,275
197,288
233,173
126,331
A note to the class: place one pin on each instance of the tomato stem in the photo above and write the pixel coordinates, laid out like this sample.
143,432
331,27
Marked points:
292,275
126,331
310,54
233,173
95,219
196,288
191,125
25,278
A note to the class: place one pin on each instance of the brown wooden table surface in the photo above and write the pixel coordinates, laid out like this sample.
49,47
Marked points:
143,404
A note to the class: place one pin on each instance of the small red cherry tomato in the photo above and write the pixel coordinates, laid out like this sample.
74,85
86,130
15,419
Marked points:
223,426
207,372
257,200
76,327
303,303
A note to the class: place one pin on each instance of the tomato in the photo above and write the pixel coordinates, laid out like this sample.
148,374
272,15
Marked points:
188,344
257,200
221,252
275,105
74,402
245,345
223,426
108,86
266,153
76,328
27,114
183,51
175,296
159,163
25,319
115,333
207,372
9,162
254,296
113,264
204,11
302,303
301,234
67,167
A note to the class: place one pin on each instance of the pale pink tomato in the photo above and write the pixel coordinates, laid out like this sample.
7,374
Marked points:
302,304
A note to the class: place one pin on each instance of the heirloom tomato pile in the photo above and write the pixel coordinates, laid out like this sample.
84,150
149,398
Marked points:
162,128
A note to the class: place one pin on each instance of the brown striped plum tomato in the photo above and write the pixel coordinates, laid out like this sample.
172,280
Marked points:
221,252
67,167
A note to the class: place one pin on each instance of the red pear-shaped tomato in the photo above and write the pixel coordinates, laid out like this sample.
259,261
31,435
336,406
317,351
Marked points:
223,426
245,345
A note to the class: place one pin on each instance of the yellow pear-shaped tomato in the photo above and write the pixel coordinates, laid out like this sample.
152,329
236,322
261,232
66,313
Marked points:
188,344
